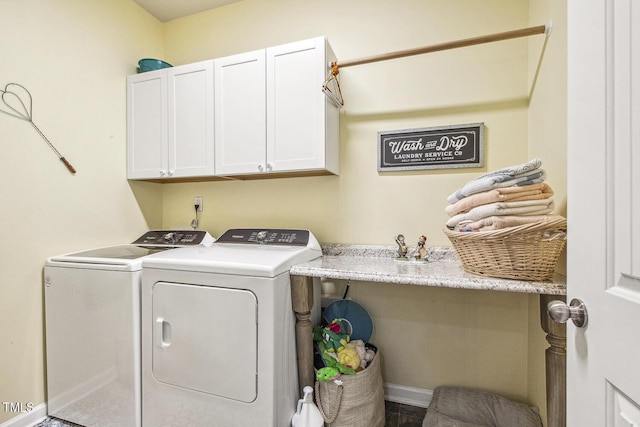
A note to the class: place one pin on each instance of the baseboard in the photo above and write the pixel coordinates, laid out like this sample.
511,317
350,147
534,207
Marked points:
413,396
27,419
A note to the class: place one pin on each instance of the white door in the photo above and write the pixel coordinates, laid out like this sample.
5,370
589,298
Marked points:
147,125
190,120
206,339
603,378
241,122
296,106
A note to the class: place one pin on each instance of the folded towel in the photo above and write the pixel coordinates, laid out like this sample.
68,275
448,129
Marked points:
498,222
507,194
527,207
533,179
516,170
490,182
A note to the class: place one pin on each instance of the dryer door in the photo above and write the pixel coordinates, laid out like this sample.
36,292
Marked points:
206,339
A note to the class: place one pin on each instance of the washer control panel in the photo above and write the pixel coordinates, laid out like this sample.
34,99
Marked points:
266,236
172,238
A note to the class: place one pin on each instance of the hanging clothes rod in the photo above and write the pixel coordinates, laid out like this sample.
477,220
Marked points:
524,32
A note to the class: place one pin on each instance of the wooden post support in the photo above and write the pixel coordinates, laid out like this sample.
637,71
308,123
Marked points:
302,302
556,363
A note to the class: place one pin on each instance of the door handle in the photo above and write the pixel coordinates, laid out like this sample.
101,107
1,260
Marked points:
164,332
561,312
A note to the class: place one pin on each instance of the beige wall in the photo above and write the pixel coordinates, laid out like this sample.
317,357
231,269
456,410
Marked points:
73,56
547,140
478,84
428,337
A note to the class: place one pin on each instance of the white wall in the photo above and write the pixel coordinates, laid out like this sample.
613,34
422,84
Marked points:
73,56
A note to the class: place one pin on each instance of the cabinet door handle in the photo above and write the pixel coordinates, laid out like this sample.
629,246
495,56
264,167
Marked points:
163,172
260,168
269,167
171,172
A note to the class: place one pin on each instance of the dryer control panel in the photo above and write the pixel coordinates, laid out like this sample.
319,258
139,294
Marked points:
174,238
266,236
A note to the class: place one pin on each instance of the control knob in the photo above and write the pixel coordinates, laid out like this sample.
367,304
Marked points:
261,237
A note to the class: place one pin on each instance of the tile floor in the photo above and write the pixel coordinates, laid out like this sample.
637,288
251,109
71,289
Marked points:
399,415
396,415
54,422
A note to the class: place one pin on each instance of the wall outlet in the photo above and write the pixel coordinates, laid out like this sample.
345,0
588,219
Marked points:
198,202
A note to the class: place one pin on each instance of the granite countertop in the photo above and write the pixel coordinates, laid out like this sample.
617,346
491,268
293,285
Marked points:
444,269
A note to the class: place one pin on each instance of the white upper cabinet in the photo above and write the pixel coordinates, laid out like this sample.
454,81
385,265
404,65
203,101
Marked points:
271,113
171,122
240,103
256,114
146,125
302,124
191,120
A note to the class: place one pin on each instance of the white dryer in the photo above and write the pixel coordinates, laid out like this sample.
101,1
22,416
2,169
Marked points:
218,331
92,322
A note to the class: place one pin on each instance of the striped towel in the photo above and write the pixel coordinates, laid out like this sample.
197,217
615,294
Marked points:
490,182
507,194
498,222
527,207
516,170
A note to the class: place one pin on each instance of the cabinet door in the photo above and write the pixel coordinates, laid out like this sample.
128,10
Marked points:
191,120
240,113
296,105
146,125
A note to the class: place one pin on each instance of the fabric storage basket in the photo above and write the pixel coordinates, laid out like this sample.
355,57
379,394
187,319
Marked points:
526,252
358,402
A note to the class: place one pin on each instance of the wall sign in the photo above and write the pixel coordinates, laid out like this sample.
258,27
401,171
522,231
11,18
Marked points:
443,147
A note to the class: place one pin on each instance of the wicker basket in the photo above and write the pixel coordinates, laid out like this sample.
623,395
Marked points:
526,252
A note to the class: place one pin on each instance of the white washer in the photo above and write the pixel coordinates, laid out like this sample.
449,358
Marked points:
92,322
218,331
